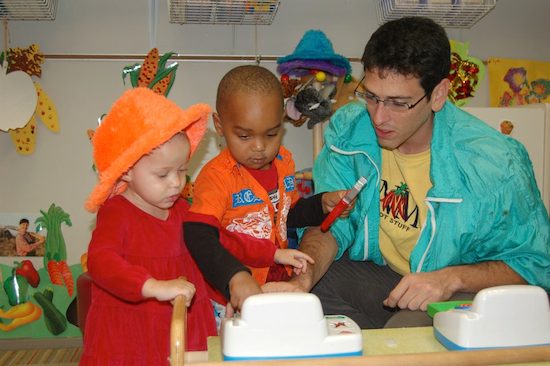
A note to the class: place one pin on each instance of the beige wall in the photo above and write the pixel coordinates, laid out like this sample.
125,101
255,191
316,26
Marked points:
60,169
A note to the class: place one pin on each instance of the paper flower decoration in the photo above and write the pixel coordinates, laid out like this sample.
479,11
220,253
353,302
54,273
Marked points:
24,99
465,75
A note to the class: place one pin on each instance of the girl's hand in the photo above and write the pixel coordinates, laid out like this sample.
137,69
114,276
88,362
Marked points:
330,199
168,290
294,258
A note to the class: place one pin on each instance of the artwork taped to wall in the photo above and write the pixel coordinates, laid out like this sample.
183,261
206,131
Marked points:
19,237
37,297
41,312
518,82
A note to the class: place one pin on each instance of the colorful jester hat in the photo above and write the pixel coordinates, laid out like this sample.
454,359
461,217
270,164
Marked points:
313,52
138,122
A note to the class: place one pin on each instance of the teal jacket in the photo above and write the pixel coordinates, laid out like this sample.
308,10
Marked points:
484,204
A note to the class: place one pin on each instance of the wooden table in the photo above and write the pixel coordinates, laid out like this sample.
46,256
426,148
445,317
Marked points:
399,346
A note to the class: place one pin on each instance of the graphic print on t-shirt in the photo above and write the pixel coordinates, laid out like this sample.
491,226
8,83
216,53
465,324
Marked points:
397,208
274,198
255,224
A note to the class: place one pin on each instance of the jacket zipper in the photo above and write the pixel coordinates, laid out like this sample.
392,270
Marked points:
377,182
433,222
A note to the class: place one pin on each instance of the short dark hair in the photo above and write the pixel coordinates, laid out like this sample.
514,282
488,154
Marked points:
24,221
415,46
249,79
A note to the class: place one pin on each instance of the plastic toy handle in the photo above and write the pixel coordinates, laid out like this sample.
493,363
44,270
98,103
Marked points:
333,215
177,331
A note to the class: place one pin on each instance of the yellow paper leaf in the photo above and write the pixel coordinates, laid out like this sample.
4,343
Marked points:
45,109
24,138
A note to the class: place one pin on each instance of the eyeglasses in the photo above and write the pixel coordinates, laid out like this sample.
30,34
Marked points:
392,105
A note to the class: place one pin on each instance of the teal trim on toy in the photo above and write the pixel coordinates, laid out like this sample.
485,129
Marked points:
347,354
452,346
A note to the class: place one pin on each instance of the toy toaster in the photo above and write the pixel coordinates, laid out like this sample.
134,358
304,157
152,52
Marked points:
288,325
501,316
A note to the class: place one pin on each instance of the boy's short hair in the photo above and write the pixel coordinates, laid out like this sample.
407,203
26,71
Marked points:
251,79
23,221
415,46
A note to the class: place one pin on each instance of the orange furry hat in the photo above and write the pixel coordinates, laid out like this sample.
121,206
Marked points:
138,122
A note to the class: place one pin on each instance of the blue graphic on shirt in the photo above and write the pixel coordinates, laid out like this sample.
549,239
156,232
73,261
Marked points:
245,198
289,183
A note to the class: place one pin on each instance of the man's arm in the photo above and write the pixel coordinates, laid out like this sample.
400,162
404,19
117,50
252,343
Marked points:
21,245
416,290
39,239
322,248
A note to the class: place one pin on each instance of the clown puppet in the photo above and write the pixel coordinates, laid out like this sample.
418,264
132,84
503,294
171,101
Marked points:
316,81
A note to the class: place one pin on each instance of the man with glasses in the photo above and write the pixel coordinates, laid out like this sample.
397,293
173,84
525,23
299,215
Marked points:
451,206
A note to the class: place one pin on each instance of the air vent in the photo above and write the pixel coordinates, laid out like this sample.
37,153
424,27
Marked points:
28,9
260,12
448,13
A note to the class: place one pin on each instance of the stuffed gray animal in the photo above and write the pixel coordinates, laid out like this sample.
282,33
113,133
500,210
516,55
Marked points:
315,104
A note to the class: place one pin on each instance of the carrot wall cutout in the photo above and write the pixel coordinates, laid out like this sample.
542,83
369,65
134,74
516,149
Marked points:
55,256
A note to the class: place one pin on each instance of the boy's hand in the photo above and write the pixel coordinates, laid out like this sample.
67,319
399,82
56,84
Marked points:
330,199
241,286
294,258
168,290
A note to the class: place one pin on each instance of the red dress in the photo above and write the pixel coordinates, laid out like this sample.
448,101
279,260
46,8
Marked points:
128,246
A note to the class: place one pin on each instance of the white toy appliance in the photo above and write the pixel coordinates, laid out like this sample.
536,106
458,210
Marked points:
501,316
288,325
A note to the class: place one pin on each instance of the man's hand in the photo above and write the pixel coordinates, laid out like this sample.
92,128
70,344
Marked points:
329,200
416,290
241,286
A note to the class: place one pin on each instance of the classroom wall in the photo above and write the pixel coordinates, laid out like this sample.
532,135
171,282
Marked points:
60,170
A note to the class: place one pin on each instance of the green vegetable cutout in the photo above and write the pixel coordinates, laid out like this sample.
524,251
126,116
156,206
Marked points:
55,258
16,288
55,321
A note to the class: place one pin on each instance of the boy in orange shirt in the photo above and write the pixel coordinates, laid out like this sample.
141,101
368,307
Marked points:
245,198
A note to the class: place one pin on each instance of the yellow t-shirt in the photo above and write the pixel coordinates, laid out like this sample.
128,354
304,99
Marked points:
405,182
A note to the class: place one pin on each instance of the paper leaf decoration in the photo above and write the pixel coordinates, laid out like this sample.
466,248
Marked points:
27,59
24,138
153,74
46,110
